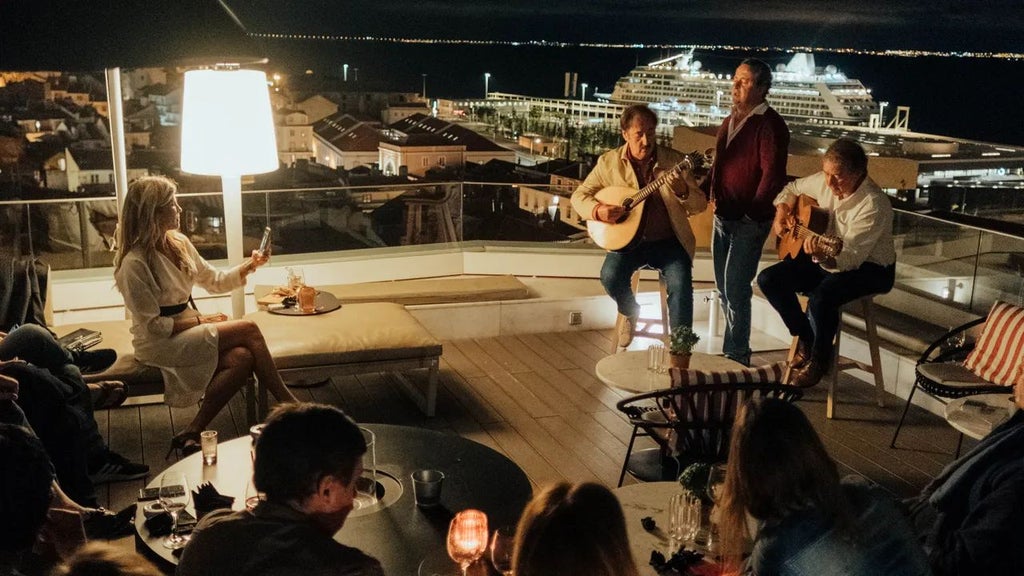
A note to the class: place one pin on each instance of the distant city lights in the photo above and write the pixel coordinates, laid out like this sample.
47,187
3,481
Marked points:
907,53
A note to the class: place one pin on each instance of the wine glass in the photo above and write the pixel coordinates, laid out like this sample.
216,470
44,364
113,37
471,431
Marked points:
174,495
467,538
501,549
716,482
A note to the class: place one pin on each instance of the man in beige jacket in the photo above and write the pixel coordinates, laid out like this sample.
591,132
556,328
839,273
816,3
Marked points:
664,240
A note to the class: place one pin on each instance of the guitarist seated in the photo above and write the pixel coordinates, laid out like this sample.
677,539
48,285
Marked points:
638,199
849,257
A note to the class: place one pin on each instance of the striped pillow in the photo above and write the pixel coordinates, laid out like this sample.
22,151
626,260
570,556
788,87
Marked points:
767,374
999,353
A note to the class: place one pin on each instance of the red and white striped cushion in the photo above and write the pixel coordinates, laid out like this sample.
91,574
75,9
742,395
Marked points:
767,374
999,352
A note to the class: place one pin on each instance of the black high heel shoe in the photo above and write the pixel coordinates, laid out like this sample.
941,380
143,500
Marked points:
184,444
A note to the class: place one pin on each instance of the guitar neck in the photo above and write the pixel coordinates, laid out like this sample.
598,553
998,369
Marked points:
655,184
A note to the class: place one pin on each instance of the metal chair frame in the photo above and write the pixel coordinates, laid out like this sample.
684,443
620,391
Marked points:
942,351
697,419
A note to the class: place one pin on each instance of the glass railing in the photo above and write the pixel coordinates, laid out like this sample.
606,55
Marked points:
962,266
953,264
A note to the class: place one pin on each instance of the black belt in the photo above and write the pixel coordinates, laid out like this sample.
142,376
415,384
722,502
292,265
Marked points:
172,310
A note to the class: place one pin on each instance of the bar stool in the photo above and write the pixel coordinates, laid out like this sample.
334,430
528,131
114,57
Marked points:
645,326
840,363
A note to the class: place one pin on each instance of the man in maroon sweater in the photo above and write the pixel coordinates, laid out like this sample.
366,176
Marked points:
749,171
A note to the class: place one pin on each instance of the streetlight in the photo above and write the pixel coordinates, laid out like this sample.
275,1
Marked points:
487,80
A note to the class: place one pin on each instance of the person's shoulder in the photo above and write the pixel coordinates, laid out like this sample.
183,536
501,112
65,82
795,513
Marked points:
612,155
223,516
354,562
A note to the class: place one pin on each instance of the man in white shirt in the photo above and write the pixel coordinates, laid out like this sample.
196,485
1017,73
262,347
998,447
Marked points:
859,215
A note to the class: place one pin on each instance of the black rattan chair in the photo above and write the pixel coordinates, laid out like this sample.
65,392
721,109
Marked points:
941,374
689,423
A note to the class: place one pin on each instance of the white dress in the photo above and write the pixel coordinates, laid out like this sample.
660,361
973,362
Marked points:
186,359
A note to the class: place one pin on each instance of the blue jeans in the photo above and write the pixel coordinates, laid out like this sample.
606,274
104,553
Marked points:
36,345
736,248
670,259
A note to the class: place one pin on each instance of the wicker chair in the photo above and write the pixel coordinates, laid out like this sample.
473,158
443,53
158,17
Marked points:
941,374
689,423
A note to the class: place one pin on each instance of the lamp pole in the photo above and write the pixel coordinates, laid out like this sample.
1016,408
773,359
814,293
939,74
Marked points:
487,81
424,86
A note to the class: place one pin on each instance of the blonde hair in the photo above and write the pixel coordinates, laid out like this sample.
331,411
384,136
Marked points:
573,530
103,559
139,227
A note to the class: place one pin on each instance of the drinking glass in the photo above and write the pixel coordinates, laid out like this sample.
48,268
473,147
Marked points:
656,358
174,495
296,279
467,538
252,495
366,485
501,549
716,482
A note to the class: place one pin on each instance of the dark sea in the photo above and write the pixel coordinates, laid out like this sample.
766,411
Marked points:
972,98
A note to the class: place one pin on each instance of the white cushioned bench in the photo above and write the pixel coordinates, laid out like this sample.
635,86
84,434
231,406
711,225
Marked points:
356,339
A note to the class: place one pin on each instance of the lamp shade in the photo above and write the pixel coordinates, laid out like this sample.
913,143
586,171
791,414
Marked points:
227,128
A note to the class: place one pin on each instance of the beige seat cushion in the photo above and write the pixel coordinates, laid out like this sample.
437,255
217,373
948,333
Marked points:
951,374
379,331
117,336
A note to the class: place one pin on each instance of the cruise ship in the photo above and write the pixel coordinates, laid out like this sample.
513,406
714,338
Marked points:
801,91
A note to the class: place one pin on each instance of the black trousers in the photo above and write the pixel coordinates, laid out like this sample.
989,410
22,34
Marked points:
826,292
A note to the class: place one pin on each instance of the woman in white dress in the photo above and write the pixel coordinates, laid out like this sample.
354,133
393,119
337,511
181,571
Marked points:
203,358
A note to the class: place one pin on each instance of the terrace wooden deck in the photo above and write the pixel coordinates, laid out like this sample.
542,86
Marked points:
535,398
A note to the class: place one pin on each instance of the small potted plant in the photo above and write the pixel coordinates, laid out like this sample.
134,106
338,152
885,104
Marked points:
681,341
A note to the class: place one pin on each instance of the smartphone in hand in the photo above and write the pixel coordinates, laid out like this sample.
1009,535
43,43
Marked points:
265,241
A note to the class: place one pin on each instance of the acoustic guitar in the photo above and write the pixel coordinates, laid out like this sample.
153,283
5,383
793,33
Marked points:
623,232
811,222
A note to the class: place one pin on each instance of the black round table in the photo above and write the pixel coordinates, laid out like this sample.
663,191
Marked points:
401,534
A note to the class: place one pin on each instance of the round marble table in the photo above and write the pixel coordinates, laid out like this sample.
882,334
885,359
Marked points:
628,370
651,499
400,534
977,415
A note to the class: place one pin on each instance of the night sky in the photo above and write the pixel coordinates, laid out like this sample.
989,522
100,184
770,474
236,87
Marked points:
995,25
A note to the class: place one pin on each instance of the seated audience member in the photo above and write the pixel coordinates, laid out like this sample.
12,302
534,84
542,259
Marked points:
807,521
308,460
57,405
98,523
36,345
101,559
970,518
27,498
573,530
201,357
860,215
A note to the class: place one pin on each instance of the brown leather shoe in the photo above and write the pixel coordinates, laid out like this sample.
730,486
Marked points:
801,354
809,374
626,328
